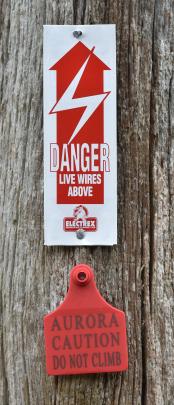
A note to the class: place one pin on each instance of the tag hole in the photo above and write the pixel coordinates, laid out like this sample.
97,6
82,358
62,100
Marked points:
82,276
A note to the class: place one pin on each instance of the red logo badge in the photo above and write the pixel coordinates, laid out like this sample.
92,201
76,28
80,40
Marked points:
80,157
80,221
85,334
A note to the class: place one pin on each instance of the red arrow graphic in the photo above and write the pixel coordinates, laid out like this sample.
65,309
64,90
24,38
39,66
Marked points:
91,83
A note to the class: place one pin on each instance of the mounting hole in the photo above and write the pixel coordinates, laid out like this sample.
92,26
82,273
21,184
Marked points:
82,276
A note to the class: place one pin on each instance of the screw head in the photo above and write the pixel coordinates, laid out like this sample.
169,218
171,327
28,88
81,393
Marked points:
80,234
77,34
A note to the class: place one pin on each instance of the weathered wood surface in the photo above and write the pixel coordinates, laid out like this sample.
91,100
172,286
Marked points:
137,275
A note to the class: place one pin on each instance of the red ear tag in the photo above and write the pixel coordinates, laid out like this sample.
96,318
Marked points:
85,334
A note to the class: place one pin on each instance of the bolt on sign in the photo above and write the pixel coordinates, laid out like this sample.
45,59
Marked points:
80,135
85,334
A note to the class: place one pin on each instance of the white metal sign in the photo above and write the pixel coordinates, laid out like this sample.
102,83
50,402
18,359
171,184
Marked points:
80,135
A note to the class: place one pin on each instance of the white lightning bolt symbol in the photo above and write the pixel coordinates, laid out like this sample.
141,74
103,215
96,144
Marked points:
68,102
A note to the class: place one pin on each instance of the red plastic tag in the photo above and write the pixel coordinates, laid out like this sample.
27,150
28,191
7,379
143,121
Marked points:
85,334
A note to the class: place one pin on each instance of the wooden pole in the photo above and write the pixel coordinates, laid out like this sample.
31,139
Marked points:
137,274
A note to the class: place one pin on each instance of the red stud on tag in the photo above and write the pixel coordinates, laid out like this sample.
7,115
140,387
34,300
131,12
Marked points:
85,334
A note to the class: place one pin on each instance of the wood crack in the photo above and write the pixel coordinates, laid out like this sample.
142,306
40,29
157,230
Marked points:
143,339
151,169
5,392
144,278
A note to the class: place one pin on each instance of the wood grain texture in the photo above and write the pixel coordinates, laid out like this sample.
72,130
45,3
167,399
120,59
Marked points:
137,274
